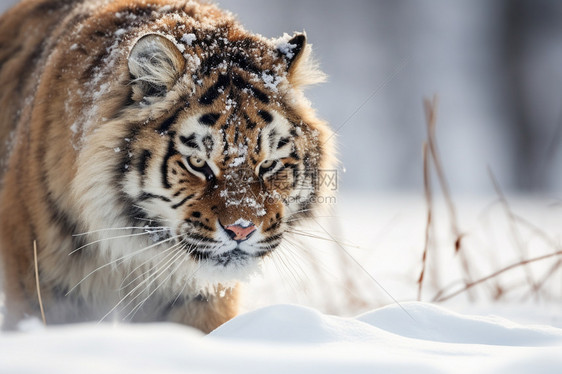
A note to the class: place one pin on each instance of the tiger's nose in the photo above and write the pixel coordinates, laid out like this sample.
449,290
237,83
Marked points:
240,231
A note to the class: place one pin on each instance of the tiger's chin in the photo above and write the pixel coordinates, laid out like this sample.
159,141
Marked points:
233,258
228,266
227,269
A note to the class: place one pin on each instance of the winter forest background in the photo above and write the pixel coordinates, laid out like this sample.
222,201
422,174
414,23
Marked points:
496,67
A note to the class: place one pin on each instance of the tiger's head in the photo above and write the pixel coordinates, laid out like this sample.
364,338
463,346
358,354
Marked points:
218,150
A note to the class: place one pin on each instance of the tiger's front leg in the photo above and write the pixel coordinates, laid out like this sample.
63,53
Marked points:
206,313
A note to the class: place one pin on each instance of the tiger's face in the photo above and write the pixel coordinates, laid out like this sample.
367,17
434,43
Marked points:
228,164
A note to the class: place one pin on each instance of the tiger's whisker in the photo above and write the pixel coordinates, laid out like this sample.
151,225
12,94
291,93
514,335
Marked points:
291,248
158,219
302,219
287,251
153,274
283,268
134,310
116,237
309,235
117,260
124,228
189,251
171,273
170,249
167,254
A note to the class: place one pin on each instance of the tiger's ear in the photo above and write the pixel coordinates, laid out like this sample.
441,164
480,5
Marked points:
302,69
155,64
292,50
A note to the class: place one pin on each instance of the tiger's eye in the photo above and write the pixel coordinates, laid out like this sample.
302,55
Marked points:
267,164
196,162
199,165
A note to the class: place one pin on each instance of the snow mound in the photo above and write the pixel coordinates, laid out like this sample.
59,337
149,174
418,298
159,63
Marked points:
430,322
419,338
296,325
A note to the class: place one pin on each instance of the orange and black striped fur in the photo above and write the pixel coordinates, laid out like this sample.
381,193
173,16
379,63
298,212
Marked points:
155,151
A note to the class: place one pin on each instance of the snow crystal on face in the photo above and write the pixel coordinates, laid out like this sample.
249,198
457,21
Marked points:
74,128
230,104
222,67
287,49
242,222
241,151
270,81
233,198
188,38
99,93
120,32
117,149
237,161
193,61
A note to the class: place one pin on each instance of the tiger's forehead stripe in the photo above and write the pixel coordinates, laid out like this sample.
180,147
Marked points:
209,118
246,147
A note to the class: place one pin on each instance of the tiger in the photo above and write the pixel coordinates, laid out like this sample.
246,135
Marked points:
155,153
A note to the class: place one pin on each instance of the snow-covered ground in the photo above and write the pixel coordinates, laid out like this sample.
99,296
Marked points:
420,338
290,323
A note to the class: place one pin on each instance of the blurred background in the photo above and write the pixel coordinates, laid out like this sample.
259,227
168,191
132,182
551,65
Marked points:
496,67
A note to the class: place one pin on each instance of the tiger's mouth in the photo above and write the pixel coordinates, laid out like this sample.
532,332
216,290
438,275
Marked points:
235,256
223,259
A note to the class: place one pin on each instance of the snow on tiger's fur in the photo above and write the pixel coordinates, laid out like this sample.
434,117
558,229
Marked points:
155,152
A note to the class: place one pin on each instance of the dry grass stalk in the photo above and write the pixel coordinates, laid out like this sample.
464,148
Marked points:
439,298
549,241
431,120
539,285
350,283
514,221
430,107
353,261
540,233
346,265
513,227
37,282
429,202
